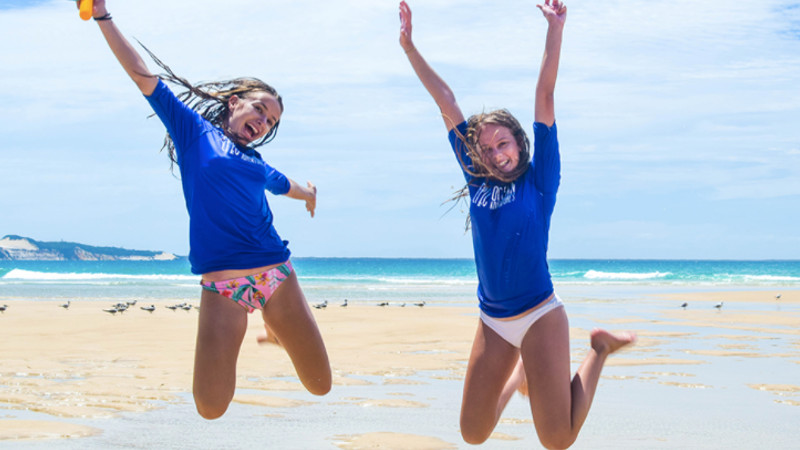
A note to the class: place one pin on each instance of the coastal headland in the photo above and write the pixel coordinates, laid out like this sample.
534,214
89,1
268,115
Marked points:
20,248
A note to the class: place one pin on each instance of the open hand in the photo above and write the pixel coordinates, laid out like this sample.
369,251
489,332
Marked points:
555,12
311,198
405,27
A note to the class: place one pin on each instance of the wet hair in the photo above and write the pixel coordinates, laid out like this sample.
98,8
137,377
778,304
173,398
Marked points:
210,100
480,169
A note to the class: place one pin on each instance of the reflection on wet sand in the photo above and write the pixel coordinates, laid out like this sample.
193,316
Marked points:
390,440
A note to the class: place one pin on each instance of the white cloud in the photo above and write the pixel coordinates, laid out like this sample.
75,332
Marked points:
655,97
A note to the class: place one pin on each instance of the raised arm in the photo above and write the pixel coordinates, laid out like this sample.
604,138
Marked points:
123,50
438,89
556,15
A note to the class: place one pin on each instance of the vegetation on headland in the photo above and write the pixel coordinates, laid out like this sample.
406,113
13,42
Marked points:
13,247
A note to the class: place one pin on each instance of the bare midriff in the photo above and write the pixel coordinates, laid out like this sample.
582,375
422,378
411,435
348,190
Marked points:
222,275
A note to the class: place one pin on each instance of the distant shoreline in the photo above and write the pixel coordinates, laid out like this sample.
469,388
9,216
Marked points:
20,248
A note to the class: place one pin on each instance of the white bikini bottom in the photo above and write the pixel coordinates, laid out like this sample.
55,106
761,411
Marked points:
512,331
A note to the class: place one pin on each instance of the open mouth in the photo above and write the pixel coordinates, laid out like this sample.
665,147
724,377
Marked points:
250,132
504,165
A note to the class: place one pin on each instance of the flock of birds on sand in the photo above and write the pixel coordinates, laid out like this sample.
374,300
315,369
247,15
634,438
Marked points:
324,304
121,307
719,305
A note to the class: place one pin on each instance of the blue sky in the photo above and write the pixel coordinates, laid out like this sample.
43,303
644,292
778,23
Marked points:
679,122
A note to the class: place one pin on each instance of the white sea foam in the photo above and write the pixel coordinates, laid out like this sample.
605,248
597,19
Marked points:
23,275
455,281
770,278
596,275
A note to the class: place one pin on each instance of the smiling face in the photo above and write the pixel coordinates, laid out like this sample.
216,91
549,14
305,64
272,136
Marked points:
252,116
498,147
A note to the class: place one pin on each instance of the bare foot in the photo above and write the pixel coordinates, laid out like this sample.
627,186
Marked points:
519,377
605,343
267,337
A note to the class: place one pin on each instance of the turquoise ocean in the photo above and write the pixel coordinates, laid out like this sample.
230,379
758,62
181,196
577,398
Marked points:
436,281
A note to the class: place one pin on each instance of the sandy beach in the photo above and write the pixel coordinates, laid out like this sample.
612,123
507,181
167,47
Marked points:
699,376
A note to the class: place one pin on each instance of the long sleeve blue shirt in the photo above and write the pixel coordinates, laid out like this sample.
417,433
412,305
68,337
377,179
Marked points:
230,222
510,227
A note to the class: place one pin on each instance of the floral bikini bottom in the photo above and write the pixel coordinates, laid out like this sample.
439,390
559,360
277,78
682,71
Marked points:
252,291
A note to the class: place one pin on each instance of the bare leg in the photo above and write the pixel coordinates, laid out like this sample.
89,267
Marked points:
267,337
486,393
288,316
518,382
560,406
220,331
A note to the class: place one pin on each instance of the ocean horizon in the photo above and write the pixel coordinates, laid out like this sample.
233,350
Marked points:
444,280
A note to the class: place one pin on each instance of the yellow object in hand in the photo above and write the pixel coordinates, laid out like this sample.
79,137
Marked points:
86,9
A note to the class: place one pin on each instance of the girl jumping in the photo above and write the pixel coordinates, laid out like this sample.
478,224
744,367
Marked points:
522,341
212,132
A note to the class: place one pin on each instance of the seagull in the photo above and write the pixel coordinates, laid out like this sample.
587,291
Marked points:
420,304
111,310
150,308
344,305
131,303
383,304
66,305
173,307
321,305
778,297
403,305
3,308
718,305
684,305
186,307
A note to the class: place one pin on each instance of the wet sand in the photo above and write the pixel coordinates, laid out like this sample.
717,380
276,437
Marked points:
81,370
87,363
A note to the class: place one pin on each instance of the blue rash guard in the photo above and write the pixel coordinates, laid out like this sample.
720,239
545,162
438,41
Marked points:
230,223
510,226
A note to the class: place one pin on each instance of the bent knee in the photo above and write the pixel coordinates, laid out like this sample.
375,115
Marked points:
470,437
209,406
473,433
210,412
319,386
320,389
556,440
